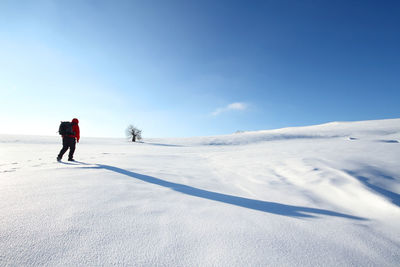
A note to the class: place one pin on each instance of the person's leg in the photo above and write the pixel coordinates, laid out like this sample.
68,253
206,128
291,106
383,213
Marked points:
64,148
71,148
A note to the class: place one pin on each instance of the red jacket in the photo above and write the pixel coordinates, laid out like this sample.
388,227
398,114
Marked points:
75,129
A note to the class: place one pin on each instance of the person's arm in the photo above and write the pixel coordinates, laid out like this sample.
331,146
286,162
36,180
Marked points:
77,133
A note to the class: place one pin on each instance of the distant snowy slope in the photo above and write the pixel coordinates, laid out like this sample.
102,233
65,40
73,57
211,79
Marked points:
383,130
324,195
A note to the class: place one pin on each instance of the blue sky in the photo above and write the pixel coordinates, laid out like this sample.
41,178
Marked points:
195,68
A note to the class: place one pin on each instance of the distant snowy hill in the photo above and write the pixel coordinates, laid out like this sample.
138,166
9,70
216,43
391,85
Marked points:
386,129
324,195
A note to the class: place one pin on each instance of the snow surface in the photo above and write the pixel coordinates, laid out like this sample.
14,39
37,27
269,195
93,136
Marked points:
325,195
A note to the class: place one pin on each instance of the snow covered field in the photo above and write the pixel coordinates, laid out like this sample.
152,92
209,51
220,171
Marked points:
325,195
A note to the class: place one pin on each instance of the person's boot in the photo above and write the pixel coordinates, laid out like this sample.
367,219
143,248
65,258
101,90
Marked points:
58,158
71,160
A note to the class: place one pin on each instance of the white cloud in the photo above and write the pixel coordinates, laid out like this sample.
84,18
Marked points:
233,106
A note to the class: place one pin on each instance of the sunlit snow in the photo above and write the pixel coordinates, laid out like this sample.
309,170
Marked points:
325,195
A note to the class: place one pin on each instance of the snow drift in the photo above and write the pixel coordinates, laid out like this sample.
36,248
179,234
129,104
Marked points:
325,195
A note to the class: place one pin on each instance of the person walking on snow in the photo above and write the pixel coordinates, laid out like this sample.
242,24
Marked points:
69,141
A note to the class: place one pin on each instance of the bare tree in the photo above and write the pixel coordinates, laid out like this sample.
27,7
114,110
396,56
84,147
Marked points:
134,133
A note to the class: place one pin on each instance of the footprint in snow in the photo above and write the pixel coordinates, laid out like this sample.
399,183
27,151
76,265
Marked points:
389,141
12,170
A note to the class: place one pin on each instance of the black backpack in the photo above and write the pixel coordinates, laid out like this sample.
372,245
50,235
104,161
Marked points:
65,128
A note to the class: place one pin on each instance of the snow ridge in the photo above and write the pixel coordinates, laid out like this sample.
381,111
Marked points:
324,195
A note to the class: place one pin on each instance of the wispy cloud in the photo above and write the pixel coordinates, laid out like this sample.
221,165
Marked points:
233,106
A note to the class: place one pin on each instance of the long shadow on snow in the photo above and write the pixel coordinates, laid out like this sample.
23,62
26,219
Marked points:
270,207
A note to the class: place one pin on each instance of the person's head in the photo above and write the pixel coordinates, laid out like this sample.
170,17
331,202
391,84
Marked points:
75,120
